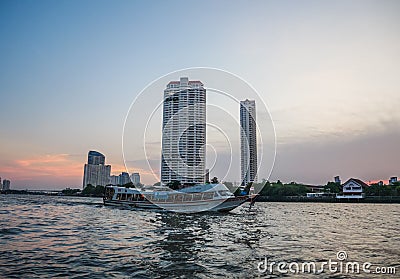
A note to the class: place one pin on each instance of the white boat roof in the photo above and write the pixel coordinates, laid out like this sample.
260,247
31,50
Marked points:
193,189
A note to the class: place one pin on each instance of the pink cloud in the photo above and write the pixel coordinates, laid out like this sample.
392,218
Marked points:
54,165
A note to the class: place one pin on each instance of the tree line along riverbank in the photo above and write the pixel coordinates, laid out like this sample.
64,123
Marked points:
268,192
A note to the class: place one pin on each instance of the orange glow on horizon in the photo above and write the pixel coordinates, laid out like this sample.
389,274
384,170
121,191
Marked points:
385,181
60,168
56,165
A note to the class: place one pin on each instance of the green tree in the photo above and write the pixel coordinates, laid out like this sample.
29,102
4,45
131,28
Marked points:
88,190
332,187
372,190
69,191
214,180
280,190
380,190
174,185
398,190
265,191
98,191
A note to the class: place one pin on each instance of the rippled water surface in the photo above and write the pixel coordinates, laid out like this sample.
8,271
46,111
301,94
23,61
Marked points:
68,237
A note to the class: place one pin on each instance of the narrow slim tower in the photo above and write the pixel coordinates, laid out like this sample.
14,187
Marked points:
248,142
184,132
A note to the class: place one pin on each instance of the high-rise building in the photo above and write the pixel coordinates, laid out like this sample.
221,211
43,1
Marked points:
95,171
184,132
114,179
135,178
96,158
6,185
124,178
248,141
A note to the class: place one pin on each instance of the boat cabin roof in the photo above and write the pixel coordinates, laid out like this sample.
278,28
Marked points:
193,189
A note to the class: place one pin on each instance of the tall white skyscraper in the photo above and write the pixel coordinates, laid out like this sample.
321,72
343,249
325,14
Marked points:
248,141
184,132
95,172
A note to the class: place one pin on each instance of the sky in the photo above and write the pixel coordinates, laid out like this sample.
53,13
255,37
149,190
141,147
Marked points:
327,70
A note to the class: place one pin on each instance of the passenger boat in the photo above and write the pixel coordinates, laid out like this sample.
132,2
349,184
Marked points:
198,198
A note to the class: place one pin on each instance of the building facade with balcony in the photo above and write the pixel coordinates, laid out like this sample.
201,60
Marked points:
184,132
353,189
248,142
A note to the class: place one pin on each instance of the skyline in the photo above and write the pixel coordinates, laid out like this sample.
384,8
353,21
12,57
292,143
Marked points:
327,71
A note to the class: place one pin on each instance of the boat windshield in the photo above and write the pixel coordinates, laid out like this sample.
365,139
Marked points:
225,193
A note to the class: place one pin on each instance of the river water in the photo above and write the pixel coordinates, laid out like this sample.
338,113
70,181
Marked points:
74,237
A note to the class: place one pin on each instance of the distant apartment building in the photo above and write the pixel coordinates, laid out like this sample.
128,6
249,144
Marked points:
135,178
248,141
114,179
124,178
392,180
95,171
184,132
96,158
6,185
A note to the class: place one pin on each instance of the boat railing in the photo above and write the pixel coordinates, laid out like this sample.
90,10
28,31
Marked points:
160,196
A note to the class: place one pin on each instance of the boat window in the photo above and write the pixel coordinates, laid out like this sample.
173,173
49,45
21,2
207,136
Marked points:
208,195
197,196
225,193
118,196
188,197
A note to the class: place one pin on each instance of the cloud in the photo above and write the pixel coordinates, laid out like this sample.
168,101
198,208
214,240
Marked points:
49,169
368,156
43,160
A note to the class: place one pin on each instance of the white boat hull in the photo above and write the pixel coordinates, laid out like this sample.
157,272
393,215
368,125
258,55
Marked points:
184,207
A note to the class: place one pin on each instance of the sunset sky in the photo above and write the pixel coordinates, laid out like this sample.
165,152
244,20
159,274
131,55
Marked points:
328,71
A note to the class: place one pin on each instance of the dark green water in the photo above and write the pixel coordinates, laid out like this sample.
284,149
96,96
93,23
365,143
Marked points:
66,237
